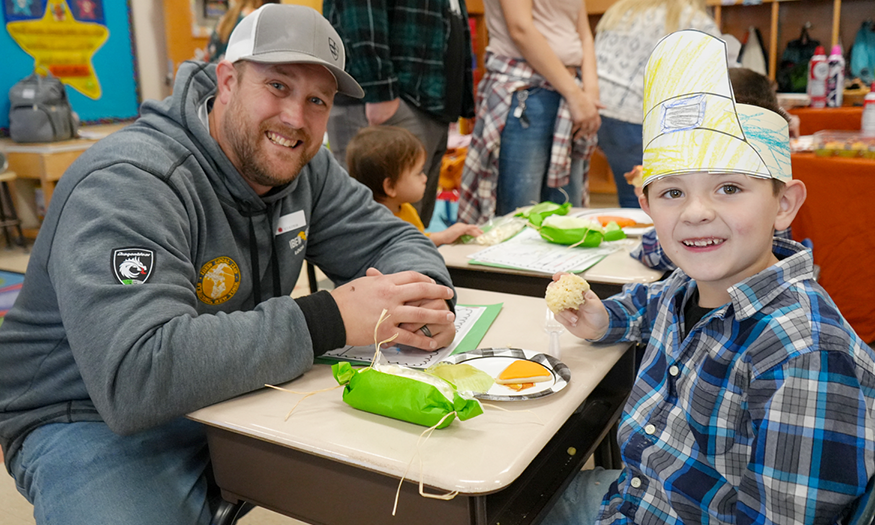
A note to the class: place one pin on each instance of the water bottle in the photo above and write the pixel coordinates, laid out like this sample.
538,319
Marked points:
868,126
835,81
818,70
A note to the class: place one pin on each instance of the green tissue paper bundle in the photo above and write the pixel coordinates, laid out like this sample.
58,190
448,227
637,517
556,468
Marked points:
578,231
403,393
537,213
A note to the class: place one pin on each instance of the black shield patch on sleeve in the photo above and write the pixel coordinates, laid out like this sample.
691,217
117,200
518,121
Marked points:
133,265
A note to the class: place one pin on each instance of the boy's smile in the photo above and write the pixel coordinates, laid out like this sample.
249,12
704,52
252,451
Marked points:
718,228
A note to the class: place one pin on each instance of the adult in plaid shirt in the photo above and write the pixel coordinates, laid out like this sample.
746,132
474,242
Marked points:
754,400
537,110
413,60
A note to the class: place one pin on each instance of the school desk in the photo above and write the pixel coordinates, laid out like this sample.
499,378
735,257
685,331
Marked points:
606,277
839,217
47,161
329,463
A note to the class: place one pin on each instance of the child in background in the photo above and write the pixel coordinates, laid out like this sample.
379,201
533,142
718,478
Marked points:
389,161
754,399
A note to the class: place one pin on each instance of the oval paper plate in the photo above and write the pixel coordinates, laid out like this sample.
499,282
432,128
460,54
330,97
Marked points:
635,214
494,360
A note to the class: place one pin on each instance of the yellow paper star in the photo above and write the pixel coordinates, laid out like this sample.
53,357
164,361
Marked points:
62,46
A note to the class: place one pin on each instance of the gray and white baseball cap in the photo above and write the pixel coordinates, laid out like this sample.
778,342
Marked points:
288,34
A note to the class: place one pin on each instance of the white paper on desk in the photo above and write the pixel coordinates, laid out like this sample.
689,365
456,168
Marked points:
92,134
528,251
466,317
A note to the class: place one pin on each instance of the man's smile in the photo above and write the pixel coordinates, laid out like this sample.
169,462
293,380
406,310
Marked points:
282,141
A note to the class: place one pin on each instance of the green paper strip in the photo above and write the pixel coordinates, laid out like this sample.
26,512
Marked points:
478,331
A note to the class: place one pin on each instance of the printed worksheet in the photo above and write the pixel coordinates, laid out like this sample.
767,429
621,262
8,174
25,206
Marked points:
528,251
472,322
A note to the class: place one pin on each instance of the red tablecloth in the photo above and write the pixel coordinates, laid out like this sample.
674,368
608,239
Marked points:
839,218
843,119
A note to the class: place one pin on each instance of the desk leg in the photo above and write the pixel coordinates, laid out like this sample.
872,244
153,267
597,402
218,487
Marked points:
48,187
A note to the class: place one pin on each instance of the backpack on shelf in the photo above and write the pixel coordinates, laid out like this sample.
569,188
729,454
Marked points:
862,62
792,74
39,110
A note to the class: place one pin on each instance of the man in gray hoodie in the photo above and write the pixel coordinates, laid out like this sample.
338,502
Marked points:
160,279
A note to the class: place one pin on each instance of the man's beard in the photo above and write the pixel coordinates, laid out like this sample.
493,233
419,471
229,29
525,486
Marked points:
249,150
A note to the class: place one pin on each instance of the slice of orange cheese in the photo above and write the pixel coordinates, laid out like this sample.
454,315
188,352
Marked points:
523,371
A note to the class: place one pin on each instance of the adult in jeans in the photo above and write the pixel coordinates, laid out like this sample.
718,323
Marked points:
413,60
160,279
537,109
625,36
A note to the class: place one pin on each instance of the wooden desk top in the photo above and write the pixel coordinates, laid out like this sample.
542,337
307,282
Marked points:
478,456
88,136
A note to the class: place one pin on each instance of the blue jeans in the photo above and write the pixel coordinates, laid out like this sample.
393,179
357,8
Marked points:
524,156
621,143
83,473
580,503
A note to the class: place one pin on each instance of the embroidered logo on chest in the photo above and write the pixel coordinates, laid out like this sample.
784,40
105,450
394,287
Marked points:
297,244
218,281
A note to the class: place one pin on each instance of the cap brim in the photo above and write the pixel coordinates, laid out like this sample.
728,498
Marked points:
345,83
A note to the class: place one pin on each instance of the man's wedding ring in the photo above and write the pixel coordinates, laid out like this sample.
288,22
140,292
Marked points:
425,331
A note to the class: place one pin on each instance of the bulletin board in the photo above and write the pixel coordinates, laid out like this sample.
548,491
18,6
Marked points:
88,44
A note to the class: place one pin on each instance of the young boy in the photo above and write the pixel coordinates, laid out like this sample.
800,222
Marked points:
389,161
754,399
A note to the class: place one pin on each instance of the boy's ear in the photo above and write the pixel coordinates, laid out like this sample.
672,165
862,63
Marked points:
389,188
789,202
644,203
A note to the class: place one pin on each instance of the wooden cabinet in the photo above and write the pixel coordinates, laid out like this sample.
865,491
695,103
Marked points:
780,21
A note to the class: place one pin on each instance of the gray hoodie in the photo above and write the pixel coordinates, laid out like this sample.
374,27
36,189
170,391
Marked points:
158,205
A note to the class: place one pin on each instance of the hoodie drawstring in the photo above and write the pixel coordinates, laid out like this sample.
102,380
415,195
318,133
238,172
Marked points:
254,261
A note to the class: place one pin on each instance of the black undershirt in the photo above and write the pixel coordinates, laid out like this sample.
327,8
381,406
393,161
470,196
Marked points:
693,313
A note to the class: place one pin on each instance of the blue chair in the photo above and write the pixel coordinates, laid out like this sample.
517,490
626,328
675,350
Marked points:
864,513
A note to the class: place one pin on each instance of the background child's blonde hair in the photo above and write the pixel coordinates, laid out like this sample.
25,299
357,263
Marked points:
380,152
624,11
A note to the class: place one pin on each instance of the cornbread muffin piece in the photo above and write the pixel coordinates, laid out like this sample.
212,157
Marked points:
566,293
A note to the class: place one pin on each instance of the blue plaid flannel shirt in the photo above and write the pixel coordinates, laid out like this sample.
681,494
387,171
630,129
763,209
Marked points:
763,413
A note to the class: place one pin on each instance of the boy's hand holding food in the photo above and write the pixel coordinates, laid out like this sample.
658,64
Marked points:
576,306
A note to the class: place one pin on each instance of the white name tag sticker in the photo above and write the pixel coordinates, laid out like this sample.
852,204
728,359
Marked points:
28,93
290,222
